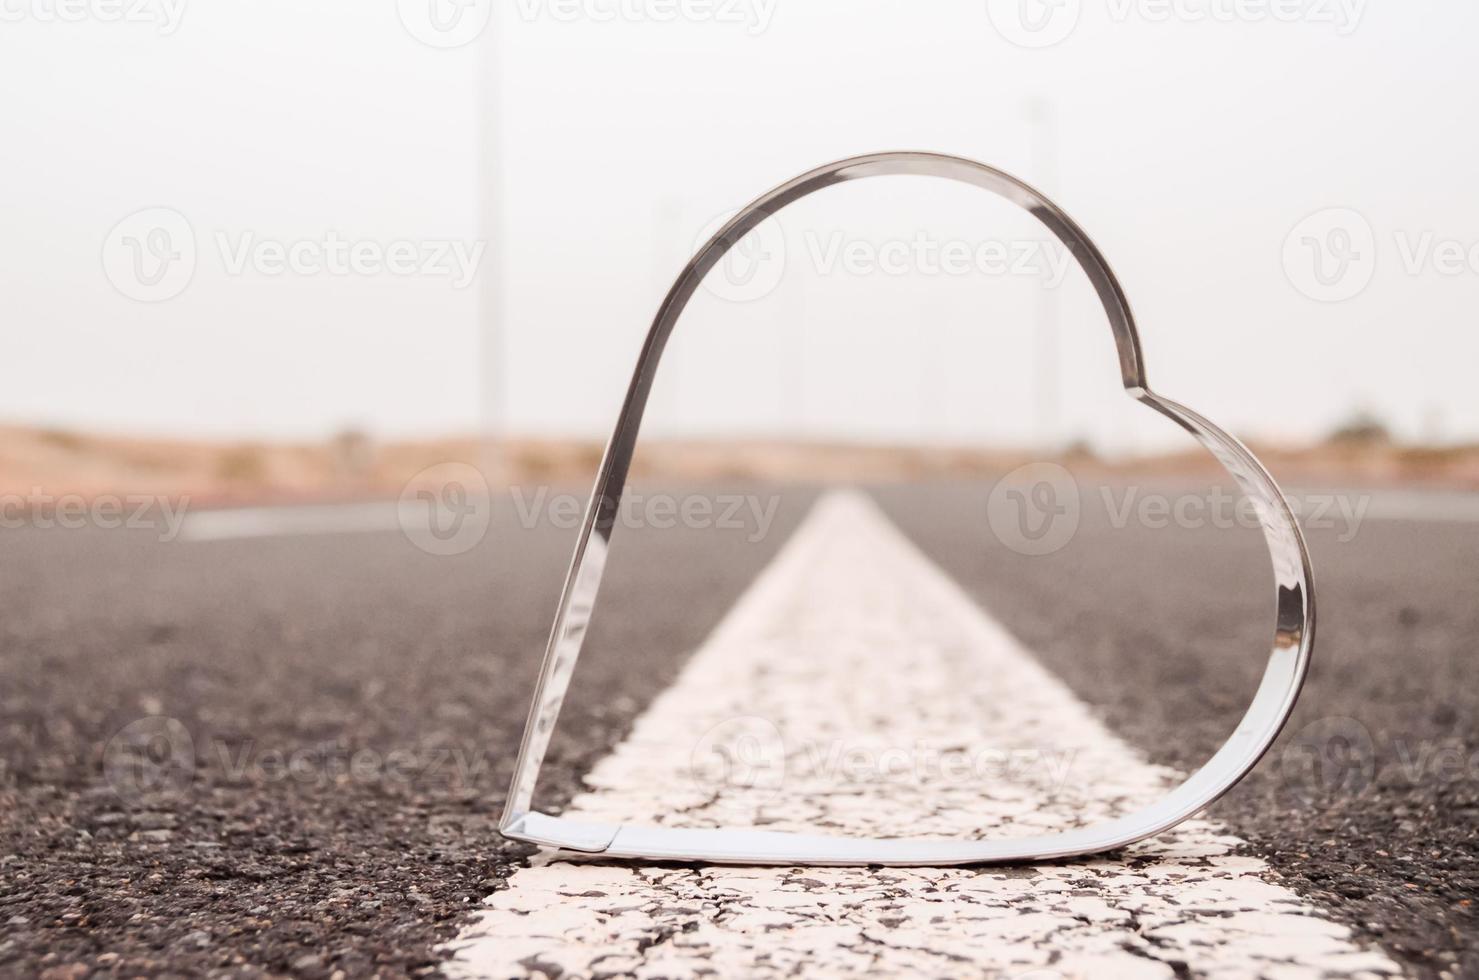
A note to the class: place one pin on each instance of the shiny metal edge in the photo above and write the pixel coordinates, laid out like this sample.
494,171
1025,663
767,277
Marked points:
1273,702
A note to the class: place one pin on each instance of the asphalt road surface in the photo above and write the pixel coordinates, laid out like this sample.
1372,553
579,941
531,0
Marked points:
339,714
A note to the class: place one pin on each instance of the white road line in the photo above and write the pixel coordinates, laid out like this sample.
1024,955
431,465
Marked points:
269,522
1425,506
903,708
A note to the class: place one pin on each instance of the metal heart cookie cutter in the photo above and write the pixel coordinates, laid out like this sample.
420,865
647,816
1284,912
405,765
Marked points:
1294,629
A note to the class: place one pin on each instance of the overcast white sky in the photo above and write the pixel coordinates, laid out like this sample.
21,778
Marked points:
1194,140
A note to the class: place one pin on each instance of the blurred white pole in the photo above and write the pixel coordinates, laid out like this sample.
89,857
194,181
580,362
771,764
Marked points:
1044,157
1433,427
491,307
792,349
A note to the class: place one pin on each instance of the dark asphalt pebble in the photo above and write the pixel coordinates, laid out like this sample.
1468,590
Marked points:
1367,803
348,709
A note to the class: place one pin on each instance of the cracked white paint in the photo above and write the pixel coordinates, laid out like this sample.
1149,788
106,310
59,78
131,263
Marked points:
855,689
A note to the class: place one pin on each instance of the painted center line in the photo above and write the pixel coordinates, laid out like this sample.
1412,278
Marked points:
856,690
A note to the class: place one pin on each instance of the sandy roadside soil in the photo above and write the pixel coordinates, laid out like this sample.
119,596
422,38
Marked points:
41,463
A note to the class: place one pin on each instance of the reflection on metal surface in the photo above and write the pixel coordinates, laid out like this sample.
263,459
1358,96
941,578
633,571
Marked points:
1274,700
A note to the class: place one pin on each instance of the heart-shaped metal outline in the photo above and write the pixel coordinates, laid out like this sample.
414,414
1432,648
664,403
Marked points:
1288,664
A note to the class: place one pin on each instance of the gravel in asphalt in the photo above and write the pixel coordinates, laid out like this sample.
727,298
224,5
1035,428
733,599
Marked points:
350,706
1369,803
344,711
